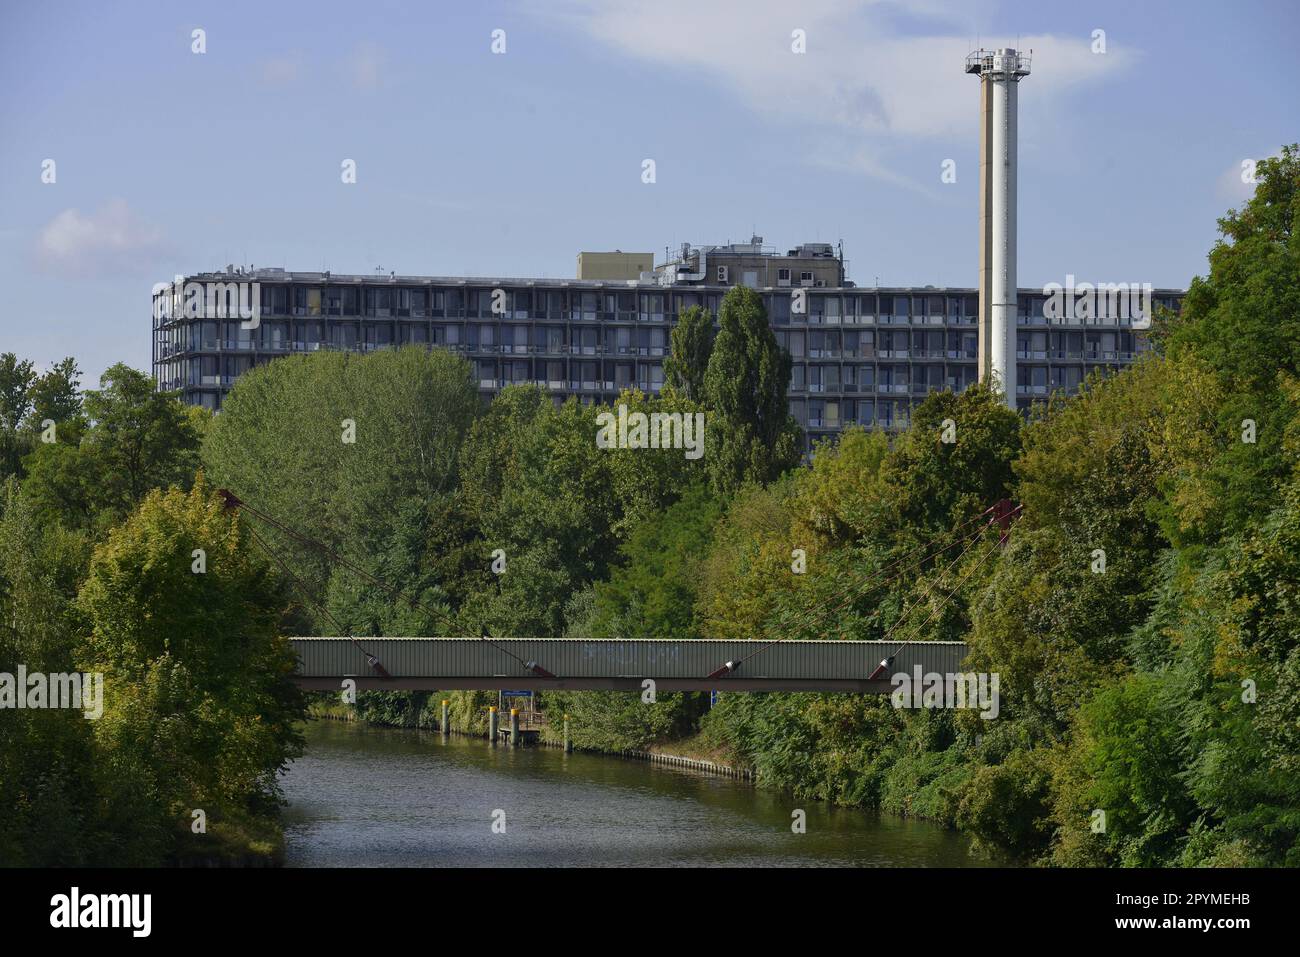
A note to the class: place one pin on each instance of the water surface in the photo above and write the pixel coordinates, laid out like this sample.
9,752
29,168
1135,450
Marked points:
373,797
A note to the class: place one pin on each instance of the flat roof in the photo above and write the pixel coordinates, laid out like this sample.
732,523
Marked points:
266,275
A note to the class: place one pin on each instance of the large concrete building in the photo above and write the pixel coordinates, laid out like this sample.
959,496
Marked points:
861,355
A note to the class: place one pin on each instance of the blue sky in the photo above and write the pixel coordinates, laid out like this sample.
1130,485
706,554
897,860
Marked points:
474,163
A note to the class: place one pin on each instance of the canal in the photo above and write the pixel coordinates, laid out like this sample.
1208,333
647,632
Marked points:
365,796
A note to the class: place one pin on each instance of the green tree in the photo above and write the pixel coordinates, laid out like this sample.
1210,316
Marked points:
1242,324
688,359
652,593
16,378
934,484
138,439
56,395
539,489
752,437
201,712
356,452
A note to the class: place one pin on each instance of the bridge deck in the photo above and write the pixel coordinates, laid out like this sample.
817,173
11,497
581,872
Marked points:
450,664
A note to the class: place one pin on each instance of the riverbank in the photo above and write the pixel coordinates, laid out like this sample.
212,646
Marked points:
692,753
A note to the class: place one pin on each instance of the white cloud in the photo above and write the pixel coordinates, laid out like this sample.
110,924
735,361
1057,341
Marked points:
1231,187
866,162
860,77
109,240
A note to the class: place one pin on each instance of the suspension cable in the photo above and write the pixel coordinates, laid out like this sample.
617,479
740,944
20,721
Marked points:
888,660
371,659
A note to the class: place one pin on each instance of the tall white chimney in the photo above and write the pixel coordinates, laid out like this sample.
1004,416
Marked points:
999,72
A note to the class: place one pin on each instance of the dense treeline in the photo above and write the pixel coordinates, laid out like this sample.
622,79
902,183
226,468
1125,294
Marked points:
1142,615
102,520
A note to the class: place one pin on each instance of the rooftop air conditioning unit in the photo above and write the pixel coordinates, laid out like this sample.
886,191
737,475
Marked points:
722,274
819,282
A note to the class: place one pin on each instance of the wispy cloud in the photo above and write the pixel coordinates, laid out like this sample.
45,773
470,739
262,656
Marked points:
1231,184
860,77
111,239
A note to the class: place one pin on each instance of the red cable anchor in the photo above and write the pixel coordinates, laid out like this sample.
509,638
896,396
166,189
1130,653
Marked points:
725,669
1003,511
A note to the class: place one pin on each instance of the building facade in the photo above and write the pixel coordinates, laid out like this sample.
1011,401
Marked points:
861,356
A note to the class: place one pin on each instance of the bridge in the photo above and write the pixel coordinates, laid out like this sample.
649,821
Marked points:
465,664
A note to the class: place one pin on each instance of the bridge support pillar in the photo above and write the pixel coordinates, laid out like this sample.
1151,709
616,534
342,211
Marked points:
493,720
445,727
568,741
514,727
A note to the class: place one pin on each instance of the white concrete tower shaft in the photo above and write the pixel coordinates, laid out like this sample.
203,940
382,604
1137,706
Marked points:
1000,72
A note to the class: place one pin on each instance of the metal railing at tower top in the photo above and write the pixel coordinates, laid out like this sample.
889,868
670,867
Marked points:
995,61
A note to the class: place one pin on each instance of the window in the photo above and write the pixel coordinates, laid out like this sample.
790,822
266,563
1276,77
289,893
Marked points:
523,303
275,300
379,302
306,301
652,307
783,275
